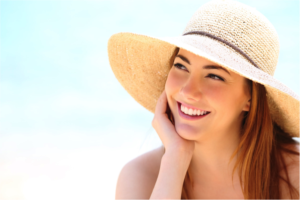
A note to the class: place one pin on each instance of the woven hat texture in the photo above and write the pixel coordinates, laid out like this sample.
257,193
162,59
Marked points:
229,33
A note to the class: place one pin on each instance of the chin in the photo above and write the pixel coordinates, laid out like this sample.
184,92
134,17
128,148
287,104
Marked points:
188,132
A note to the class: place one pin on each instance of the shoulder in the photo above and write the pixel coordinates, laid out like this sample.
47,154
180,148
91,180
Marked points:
292,166
137,178
291,160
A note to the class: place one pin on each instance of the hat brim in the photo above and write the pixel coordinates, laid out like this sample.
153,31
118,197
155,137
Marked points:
141,64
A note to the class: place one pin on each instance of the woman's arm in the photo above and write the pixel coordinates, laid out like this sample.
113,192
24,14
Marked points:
147,175
177,157
135,180
171,175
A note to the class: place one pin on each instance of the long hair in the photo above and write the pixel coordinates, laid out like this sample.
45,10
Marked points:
259,153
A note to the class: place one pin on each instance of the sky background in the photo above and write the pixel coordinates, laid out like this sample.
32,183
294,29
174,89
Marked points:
67,126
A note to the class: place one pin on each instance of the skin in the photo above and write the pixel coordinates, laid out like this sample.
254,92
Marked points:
202,147
211,140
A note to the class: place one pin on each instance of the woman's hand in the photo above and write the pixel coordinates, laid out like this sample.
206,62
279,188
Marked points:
177,157
171,140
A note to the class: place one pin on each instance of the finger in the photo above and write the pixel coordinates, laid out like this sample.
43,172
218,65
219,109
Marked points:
161,105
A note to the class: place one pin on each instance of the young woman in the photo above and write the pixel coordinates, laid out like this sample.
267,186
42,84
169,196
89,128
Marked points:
225,122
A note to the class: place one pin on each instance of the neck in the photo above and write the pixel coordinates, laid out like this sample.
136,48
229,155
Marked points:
210,162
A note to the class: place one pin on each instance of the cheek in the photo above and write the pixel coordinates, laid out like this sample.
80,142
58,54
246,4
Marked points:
214,92
221,98
173,83
228,101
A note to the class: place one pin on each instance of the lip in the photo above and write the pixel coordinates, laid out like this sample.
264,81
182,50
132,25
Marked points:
188,117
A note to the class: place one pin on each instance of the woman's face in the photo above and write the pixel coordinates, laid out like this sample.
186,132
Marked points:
198,86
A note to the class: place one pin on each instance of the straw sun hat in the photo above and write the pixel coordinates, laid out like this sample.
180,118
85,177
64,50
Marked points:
226,32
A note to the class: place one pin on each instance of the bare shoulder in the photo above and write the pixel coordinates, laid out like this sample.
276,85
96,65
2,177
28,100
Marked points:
292,164
137,178
291,160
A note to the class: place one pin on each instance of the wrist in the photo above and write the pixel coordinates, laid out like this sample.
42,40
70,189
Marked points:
180,151
177,159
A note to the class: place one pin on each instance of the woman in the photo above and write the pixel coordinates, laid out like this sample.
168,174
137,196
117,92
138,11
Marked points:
225,122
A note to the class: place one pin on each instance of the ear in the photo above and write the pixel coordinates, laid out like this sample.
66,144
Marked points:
247,105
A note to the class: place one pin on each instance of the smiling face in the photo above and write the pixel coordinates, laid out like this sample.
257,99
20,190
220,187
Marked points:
205,98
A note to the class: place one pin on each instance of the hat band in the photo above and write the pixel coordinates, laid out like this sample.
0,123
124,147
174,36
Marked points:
225,42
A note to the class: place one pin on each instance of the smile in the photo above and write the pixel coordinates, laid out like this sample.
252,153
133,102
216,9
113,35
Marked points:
191,113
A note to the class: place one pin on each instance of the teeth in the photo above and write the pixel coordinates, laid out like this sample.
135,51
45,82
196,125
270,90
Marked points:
195,112
191,111
186,110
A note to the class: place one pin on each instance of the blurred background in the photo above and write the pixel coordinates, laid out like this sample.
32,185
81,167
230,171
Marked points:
67,126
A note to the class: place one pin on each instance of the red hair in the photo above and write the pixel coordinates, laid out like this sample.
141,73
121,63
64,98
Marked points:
260,151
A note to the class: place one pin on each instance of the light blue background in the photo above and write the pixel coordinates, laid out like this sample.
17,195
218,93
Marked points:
65,119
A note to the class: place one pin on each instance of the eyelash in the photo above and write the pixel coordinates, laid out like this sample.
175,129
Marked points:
180,66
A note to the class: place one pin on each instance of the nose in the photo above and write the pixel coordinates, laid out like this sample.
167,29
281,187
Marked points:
191,89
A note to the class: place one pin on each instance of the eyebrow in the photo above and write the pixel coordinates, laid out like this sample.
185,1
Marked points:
206,66
183,58
216,67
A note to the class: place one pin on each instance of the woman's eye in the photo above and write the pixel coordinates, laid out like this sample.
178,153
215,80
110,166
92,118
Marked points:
213,76
180,66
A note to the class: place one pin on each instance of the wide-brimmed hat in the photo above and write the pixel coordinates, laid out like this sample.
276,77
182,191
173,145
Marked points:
229,33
